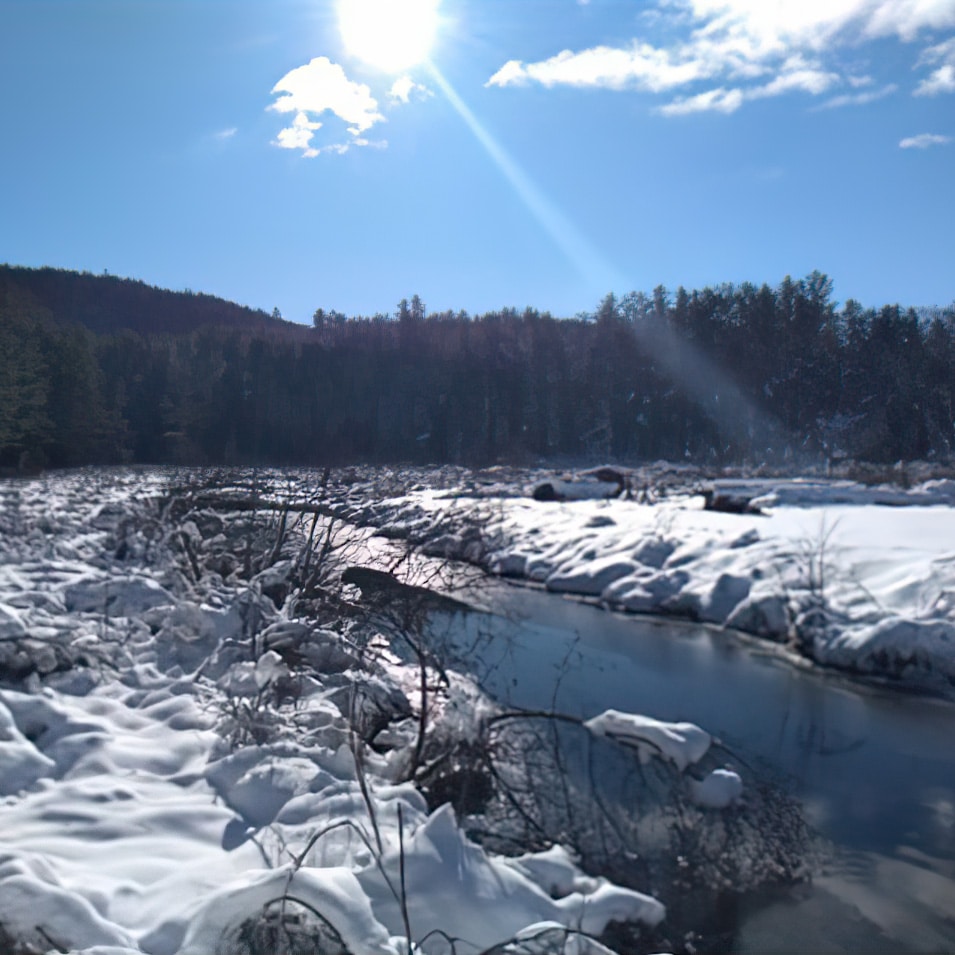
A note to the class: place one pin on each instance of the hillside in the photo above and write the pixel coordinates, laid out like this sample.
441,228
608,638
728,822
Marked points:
106,303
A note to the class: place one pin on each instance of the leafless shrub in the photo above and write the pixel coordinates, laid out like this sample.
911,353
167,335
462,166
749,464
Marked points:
284,926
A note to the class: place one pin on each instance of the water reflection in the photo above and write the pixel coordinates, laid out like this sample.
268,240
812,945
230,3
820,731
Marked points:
873,769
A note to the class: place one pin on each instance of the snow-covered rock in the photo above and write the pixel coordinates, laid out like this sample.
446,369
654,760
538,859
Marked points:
34,912
11,626
117,596
680,743
717,790
21,763
335,894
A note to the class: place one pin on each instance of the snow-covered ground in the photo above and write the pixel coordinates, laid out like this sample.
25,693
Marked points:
856,577
203,749
184,750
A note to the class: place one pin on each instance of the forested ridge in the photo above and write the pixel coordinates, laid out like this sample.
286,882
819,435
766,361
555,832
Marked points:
96,369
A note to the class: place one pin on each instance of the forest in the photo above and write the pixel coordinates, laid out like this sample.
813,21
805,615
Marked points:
97,369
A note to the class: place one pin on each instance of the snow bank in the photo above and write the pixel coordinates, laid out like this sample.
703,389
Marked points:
454,887
858,577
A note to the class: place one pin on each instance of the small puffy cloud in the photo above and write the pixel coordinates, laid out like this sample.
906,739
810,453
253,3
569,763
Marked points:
746,50
942,79
404,89
924,140
322,87
299,135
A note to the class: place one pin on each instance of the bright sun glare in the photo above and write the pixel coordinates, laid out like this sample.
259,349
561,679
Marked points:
392,35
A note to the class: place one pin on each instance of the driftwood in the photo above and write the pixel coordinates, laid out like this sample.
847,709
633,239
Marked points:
728,503
381,586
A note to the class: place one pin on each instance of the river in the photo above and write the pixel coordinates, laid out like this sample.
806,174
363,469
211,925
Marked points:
873,768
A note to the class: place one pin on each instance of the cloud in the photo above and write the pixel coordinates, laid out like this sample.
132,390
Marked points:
858,99
942,79
299,135
924,140
746,50
224,134
819,24
322,87
718,100
404,89
641,66
796,76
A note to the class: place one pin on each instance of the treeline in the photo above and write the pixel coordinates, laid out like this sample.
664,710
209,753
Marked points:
723,375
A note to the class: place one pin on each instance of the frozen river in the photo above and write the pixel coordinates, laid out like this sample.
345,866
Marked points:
873,769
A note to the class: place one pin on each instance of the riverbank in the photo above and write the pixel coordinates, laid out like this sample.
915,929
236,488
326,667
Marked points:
851,576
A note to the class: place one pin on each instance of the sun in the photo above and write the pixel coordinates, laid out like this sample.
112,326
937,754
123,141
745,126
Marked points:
392,35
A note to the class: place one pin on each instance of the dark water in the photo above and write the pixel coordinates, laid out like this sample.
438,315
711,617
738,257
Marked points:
874,769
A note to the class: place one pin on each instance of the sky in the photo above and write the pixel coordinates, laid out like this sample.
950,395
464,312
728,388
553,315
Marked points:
297,154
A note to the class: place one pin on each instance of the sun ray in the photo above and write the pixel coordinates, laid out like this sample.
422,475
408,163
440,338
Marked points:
581,253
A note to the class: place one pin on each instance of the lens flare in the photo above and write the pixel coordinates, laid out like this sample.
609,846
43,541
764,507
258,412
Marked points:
391,35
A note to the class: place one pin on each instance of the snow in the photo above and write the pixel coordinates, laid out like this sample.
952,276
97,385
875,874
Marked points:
681,743
717,790
161,783
454,887
163,788
858,577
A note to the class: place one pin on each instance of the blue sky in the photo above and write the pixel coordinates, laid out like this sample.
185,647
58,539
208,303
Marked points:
481,153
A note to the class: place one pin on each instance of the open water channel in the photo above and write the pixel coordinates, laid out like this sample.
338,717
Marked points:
873,768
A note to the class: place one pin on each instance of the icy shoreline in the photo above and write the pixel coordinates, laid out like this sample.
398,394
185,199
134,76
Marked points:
853,577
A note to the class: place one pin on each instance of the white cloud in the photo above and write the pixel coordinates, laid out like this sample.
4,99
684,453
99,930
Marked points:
642,67
747,49
796,76
404,89
858,99
817,24
942,79
718,100
924,140
299,135
322,87
224,134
